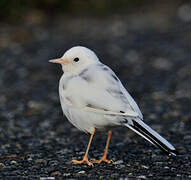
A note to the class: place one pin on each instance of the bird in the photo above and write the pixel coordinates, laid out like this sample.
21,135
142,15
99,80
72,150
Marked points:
93,99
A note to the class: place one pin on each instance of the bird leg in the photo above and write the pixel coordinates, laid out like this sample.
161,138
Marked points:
85,158
104,158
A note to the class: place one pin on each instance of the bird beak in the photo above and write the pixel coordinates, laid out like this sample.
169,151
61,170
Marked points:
60,61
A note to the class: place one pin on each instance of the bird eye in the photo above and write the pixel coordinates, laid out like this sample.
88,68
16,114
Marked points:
76,59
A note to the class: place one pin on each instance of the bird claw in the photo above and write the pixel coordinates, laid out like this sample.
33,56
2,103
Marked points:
103,159
85,160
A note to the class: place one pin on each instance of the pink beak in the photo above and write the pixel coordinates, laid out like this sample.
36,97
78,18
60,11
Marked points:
60,61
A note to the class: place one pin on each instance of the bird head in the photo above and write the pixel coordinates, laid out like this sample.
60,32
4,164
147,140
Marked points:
76,59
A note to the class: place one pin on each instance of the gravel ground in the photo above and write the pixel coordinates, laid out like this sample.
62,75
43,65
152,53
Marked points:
150,52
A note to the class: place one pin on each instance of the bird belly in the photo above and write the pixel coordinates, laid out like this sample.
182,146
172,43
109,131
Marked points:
87,121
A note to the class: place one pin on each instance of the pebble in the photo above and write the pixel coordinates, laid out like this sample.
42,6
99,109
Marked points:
81,172
14,162
162,63
118,162
56,173
53,163
166,167
29,159
2,165
67,174
121,178
142,177
145,167
47,178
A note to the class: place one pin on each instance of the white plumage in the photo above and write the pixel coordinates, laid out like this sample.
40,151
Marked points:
92,97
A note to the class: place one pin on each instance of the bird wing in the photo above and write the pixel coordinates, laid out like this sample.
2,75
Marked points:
97,89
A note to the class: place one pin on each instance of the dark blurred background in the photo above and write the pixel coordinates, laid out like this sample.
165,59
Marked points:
147,43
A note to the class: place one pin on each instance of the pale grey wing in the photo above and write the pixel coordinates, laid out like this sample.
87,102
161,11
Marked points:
98,89
120,92
131,101
114,87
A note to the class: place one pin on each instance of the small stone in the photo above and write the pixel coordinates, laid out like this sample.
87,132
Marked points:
81,172
66,174
53,163
81,153
162,63
118,162
2,165
35,105
14,162
47,178
124,178
56,173
145,167
142,177
29,159
166,167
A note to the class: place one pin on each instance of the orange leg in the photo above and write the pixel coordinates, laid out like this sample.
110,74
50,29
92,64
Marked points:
104,158
85,158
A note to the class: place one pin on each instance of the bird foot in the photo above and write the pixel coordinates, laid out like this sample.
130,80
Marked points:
84,160
103,159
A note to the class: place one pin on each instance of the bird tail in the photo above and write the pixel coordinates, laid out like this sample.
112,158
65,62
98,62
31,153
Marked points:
152,136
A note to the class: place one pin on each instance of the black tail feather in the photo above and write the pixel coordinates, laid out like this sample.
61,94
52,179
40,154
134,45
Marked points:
153,139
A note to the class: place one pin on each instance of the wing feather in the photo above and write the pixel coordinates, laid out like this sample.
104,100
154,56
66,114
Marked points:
100,92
